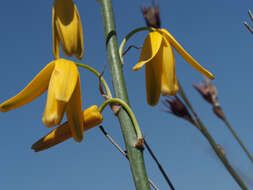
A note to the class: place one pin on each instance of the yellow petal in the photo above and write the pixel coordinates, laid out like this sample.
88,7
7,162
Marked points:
74,113
79,47
187,57
65,77
56,136
149,50
54,109
69,27
56,42
168,74
153,81
92,118
33,90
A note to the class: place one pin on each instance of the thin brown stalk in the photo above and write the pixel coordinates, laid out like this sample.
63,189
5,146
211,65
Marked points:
122,151
159,165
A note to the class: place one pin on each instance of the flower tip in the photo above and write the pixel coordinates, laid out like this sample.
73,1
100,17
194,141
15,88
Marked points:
51,121
152,103
79,56
34,148
6,106
135,68
169,92
210,76
78,138
2,109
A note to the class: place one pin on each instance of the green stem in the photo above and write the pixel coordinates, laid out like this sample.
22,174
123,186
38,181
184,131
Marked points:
107,89
212,142
135,155
238,139
129,35
128,110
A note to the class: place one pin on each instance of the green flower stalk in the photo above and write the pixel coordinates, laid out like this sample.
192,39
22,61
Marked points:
129,111
94,71
135,155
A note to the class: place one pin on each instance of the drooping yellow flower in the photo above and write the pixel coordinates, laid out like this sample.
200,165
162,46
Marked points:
92,118
61,78
158,56
67,28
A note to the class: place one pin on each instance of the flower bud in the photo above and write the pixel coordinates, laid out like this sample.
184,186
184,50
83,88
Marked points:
208,91
176,107
92,118
151,16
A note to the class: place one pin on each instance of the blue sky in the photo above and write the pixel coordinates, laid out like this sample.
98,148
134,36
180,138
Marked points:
211,31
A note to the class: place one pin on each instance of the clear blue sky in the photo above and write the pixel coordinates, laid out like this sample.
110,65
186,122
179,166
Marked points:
213,33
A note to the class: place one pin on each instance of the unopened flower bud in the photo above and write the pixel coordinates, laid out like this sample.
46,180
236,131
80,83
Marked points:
176,107
208,91
151,16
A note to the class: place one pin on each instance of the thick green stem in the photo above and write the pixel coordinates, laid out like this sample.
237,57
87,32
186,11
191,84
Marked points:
135,155
238,139
212,142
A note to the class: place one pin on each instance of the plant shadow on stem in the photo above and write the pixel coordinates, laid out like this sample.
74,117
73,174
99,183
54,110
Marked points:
109,36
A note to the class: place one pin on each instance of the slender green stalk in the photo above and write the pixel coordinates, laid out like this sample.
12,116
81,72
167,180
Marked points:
135,155
238,139
128,110
128,36
212,142
107,89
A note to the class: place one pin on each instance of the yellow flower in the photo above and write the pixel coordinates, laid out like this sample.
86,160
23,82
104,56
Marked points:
61,78
67,28
158,56
92,118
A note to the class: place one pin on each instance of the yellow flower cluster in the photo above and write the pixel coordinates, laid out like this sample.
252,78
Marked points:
61,78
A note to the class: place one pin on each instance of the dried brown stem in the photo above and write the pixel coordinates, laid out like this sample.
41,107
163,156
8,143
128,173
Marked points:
159,165
122,151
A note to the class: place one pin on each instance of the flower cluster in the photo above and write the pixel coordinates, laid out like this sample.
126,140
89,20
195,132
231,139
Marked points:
61,78
62,81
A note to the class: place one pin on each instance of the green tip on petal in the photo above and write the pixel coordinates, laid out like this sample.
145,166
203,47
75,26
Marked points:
4,108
